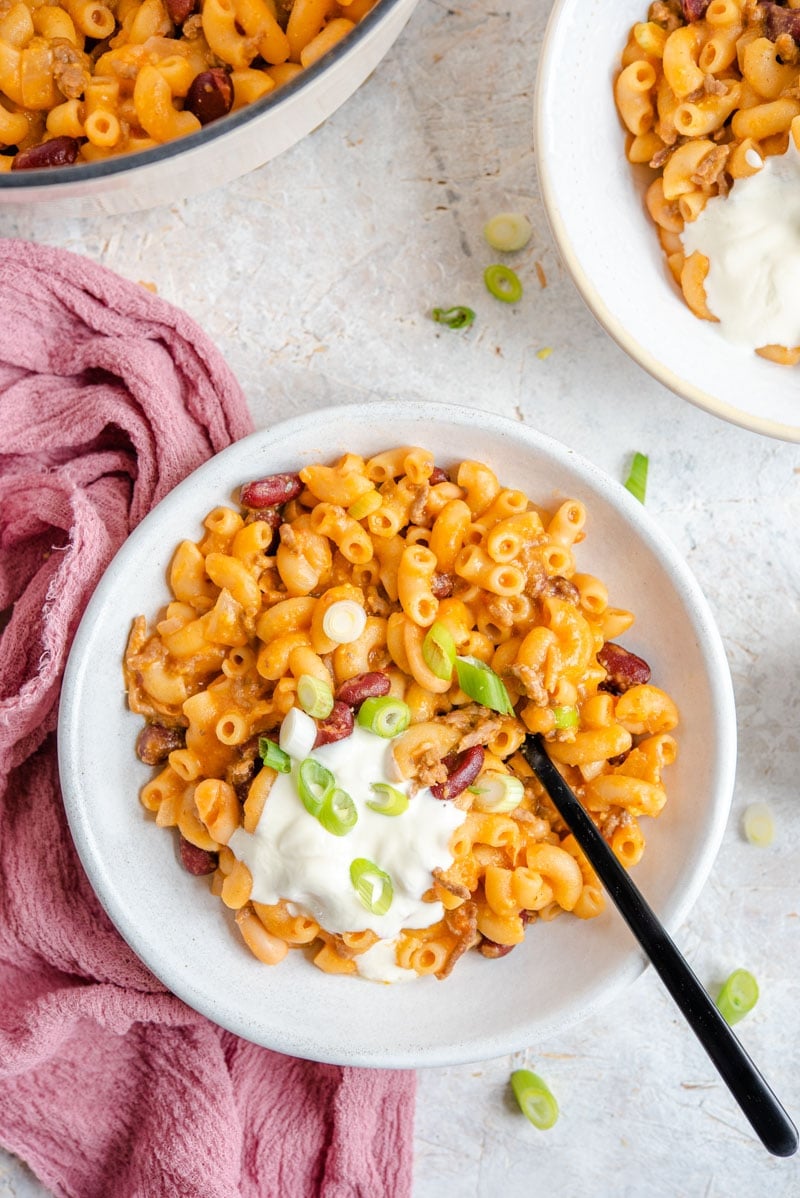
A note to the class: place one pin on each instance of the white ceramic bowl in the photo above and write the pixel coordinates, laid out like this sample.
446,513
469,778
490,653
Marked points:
223,150
594,202
486,1008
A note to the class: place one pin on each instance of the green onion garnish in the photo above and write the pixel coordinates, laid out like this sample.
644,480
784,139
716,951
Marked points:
565,717
384,715
535,1100
338,813
455,318
273,755
508,232
759,825
503,283
372,885
315,784
738,995
314,696
389,800
498,793
479,682
439,650
636,482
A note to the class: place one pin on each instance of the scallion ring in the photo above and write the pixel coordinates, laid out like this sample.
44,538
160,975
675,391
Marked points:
565,717
535,1099
503,283
498,793
458,317
479,682
315,783
273,755
314,696
759,825
388,801
298,734
372,885
439,650
508,232
338,813
344,621
738,996
385,716
636,482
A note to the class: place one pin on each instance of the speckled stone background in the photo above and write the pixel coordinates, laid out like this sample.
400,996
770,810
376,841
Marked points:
316,275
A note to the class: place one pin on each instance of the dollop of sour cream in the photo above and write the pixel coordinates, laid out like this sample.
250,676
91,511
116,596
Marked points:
751,238
291,856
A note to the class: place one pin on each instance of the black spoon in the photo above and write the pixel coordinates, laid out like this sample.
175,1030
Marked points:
767,1117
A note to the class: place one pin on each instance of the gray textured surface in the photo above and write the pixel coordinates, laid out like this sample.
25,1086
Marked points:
315,276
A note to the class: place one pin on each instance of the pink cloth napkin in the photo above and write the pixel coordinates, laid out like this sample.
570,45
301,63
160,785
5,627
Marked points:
109,1085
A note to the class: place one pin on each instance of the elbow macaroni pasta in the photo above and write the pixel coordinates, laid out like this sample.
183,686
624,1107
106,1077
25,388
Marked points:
221,666
703,102
118,77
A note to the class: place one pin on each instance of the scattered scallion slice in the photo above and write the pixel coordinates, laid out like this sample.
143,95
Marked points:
439,650
759,825
365,505
738,995
508,232
372,885
503,283
315,784
338,813
344,621
565,717
384,715
458,317
479,682
298,733
535,1099
389,800
498,793
314,696
636,482
273,756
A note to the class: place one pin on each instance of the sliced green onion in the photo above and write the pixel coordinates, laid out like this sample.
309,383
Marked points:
372,885
544,353
315,784
314,696
338,813
508,232
565,717
479,682
759,826
365,505
455,318
738,995
535,1100
503,283
344,621
389,800
636,482
498,793
439,650
385,716
298,734
273,755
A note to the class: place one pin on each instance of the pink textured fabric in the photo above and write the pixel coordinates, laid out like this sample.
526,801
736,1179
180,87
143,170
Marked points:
110,1087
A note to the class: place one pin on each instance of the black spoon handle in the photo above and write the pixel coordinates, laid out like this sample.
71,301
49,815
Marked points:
767,1117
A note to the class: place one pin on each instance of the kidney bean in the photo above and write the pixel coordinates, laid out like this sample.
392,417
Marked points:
780,20
623,669
210,95
442,585
155,742
58,151
337,726
364,686
488,948
197,861
694,10
267,492
463,769
438,476
180,10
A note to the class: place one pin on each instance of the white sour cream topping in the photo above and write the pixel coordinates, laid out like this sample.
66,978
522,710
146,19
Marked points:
379,964
292,857
751,238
